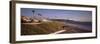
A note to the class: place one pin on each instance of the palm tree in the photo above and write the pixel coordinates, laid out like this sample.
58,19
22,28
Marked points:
33,13
39,14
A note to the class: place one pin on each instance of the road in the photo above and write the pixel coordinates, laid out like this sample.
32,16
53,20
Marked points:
58,32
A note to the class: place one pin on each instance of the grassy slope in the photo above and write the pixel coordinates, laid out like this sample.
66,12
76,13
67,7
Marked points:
43,28
48,27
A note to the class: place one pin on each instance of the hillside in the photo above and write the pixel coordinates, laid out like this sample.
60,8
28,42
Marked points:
48,28
42,28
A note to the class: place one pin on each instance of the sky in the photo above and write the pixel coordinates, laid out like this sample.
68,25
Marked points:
76,15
